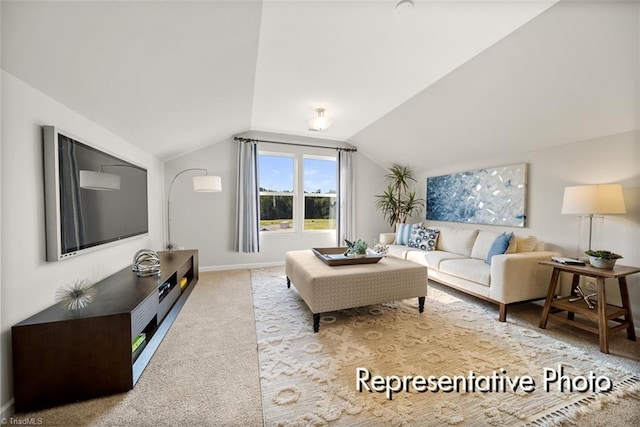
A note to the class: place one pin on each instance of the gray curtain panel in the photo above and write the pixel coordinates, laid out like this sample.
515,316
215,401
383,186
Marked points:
73,227
346,196
248,205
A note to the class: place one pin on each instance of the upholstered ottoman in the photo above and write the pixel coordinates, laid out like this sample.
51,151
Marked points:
327,288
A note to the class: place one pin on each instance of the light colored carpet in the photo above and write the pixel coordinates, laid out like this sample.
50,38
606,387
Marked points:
310,379
206,370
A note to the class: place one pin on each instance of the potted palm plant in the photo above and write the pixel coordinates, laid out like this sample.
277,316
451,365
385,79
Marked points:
602,259
398,202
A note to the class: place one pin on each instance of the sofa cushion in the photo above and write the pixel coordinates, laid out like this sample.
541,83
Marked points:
423,238
403,233
474,270
499,246
522,244
456,240
483,243
387,238
397,251
417,256
401,251
434,258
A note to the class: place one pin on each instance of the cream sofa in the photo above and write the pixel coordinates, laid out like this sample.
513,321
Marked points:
459,261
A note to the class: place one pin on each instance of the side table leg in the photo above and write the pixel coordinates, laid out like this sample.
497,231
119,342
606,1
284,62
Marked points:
624,296
603,327
316,322
550,294
574,284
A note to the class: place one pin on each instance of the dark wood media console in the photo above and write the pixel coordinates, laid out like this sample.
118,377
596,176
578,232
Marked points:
61,356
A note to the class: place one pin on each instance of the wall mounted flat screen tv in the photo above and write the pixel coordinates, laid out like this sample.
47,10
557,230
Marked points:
92,198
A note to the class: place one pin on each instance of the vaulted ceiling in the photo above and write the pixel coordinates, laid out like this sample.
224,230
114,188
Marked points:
465,79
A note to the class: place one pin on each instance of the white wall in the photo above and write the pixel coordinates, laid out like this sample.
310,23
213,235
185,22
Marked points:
207,221
612,159
28,282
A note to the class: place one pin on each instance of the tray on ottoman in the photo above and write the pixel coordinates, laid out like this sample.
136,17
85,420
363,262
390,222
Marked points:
336,256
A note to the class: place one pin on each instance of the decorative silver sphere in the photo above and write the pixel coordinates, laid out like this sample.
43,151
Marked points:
146,263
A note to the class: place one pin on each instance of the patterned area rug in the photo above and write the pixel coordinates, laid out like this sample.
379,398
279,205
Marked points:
311,379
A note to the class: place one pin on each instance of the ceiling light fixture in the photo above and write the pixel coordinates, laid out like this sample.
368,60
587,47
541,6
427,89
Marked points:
403,6
319,123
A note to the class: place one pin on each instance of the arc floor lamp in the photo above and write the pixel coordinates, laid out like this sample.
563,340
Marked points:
201,184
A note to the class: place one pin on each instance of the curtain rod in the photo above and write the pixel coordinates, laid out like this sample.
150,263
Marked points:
240,139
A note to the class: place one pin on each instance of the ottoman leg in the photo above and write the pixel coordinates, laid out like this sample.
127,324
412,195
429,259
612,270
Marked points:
288,283
316,322
421,304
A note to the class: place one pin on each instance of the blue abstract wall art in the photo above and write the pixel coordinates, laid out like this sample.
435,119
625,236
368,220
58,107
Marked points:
494,196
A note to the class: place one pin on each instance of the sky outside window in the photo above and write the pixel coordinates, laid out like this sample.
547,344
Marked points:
276,173
319,174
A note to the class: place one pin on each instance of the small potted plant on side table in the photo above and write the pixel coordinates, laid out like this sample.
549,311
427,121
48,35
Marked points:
602,259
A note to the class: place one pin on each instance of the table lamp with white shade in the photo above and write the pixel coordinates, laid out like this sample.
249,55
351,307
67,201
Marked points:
591,202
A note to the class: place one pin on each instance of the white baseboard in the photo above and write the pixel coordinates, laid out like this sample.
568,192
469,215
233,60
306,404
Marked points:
241,266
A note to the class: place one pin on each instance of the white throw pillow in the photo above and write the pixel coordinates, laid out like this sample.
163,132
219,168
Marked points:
482,244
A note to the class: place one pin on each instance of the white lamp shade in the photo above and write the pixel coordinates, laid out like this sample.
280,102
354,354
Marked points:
207,184
320,122
593,199
90,180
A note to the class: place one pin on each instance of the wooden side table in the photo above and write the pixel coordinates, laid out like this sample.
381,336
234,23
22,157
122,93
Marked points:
602,313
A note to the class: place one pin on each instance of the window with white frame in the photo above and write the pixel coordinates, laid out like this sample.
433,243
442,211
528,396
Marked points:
297,192
277,192
319,183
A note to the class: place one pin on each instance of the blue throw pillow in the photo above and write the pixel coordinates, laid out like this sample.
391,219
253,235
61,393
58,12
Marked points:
499,246
424,238
403,233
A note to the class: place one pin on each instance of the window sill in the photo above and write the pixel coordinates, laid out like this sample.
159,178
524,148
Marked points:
292,232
